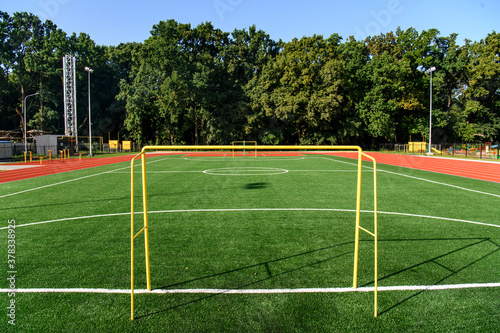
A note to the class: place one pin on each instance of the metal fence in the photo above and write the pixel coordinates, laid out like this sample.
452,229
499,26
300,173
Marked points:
467,150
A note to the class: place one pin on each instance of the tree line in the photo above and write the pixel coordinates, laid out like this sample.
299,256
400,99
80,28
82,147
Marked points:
201,85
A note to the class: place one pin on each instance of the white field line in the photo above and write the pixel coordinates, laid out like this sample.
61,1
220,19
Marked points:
345,162
251,291
254,209
98,174
444,184
72,180
422,179
328,170
182,171
164,171
59,183
243,159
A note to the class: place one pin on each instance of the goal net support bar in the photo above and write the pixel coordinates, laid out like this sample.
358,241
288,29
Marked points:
243,145
145,229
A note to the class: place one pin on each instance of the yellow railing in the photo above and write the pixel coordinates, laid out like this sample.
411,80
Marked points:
374,234
145,228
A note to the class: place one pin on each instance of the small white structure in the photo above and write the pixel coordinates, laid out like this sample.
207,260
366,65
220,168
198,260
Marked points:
6,148
47,142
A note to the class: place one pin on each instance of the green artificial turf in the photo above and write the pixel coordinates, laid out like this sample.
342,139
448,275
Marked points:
252,223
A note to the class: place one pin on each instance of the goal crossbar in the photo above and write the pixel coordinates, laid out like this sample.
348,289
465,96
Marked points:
243,145
145,229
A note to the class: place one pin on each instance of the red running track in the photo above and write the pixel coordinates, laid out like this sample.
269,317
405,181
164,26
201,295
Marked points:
56,166
483,170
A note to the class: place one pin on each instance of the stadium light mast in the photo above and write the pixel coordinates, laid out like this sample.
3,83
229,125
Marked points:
429,152
25,134
89,70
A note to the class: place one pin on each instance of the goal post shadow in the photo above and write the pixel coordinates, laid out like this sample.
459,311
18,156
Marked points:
358,228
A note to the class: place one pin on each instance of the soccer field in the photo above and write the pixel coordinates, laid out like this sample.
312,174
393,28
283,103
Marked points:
249,243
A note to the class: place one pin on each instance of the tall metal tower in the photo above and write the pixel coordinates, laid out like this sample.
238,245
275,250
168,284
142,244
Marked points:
69,78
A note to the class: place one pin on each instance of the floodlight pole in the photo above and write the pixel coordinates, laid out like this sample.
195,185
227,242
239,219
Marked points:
429,152
89,70
25,134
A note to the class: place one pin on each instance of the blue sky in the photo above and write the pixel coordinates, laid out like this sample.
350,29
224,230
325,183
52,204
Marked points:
115,22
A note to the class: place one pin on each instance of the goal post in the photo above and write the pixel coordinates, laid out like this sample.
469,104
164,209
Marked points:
145,228
243,145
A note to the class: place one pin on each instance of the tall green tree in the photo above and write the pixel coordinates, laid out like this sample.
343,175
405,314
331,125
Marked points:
395,106
253,51
303,85
347,125
20,34
481,98
380,109
201,85
147,94
45,61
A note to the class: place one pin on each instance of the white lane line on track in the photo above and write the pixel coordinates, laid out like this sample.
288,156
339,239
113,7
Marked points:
253,291
255,209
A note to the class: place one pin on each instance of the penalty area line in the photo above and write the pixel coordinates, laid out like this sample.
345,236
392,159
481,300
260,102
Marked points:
423,179
255,209
252,291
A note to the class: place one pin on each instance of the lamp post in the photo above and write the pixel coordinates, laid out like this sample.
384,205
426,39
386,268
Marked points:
89,70
25,134
429,152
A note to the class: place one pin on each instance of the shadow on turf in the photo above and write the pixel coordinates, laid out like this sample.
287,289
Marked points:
434,261
255,186
266,264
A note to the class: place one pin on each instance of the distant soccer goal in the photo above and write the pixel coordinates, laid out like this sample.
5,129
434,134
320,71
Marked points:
205,158
244,148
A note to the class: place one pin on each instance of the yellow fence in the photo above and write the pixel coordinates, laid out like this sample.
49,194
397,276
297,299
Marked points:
417,146
145,228
127,145
114,144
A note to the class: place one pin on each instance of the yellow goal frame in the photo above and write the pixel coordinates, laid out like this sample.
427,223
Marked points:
145,228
